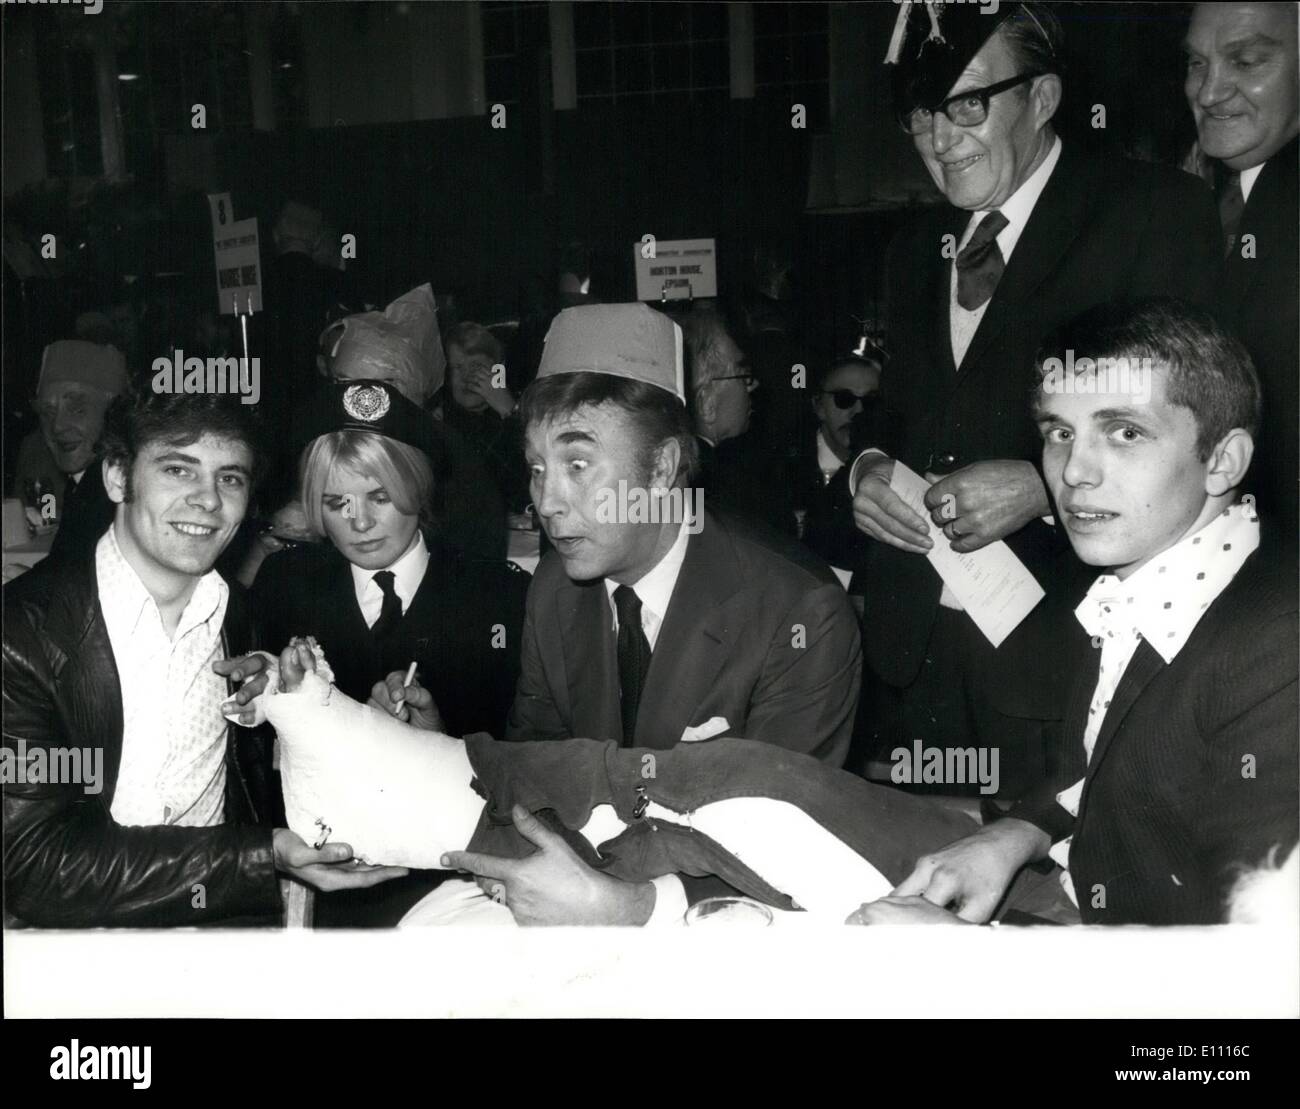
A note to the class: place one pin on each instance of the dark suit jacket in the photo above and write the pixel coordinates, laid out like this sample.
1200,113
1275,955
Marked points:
758,631
1260,302
449,628
1194,772
828,527
84,515
744,478
1102,230
66,862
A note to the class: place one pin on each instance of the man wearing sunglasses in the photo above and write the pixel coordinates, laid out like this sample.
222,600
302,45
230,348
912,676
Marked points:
1035,232
843,391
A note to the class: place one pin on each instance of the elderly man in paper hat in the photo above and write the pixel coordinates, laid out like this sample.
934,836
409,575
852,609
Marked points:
655,620
77,381
1035,231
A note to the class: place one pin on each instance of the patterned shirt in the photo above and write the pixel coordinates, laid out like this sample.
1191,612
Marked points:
1162,602
173,768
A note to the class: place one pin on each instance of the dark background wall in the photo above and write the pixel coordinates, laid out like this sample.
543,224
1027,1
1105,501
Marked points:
480,211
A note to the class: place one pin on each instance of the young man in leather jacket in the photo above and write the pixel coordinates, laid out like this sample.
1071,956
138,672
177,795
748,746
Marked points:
129,799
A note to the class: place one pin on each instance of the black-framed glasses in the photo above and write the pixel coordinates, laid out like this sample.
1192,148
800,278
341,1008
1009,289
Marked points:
846,398
966,109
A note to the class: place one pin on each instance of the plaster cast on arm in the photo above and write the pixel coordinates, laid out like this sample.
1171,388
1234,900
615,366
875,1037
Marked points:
400,796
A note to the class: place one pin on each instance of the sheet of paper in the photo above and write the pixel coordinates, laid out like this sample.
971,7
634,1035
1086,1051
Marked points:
993,585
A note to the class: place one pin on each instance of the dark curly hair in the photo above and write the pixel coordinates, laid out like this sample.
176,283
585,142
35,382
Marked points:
138,417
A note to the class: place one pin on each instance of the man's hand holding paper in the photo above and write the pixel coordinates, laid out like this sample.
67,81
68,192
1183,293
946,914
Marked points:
881,513
986,501
991,584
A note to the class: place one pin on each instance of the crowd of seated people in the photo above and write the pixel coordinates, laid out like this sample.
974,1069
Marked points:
1141,719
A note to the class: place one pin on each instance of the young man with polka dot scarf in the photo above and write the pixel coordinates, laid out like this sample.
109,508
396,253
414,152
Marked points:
1181,763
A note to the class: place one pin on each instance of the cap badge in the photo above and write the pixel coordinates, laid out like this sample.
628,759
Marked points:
366,402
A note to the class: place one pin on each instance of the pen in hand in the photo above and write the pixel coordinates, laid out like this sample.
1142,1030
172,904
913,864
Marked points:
401,701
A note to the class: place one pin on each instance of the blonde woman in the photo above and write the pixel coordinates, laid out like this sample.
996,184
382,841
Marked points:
385,591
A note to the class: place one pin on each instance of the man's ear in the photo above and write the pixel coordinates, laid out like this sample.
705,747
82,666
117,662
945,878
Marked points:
1046,96
667,460
114,481
1228,462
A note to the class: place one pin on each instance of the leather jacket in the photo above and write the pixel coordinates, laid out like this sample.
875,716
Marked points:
67,863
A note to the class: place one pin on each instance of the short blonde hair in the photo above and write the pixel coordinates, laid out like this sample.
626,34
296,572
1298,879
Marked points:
403,470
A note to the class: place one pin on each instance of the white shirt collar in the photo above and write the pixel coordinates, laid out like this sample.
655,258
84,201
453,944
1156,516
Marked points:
655,589
1248,179
1019,206
1165,600
827,460
125,600
408,573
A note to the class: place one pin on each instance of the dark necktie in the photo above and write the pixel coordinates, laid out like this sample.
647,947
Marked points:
391,614
633,657
980,263
1232,202
69,492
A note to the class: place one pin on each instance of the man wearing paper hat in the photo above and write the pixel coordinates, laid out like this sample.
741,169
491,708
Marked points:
77,381
1035,232
656,620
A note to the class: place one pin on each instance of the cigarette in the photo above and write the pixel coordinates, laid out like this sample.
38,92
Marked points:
410,677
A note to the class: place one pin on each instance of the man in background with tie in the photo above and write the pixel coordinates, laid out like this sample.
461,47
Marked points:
1243,87
1036,232
77,381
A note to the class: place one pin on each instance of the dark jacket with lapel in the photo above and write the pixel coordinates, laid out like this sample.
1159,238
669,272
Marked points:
1260,302
828,527
463,628
1194,772
66,862
758,632
1101,230
84,515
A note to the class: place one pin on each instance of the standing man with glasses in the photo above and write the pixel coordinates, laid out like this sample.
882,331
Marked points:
1036,232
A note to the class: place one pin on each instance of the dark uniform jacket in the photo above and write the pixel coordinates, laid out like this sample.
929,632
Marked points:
463,628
